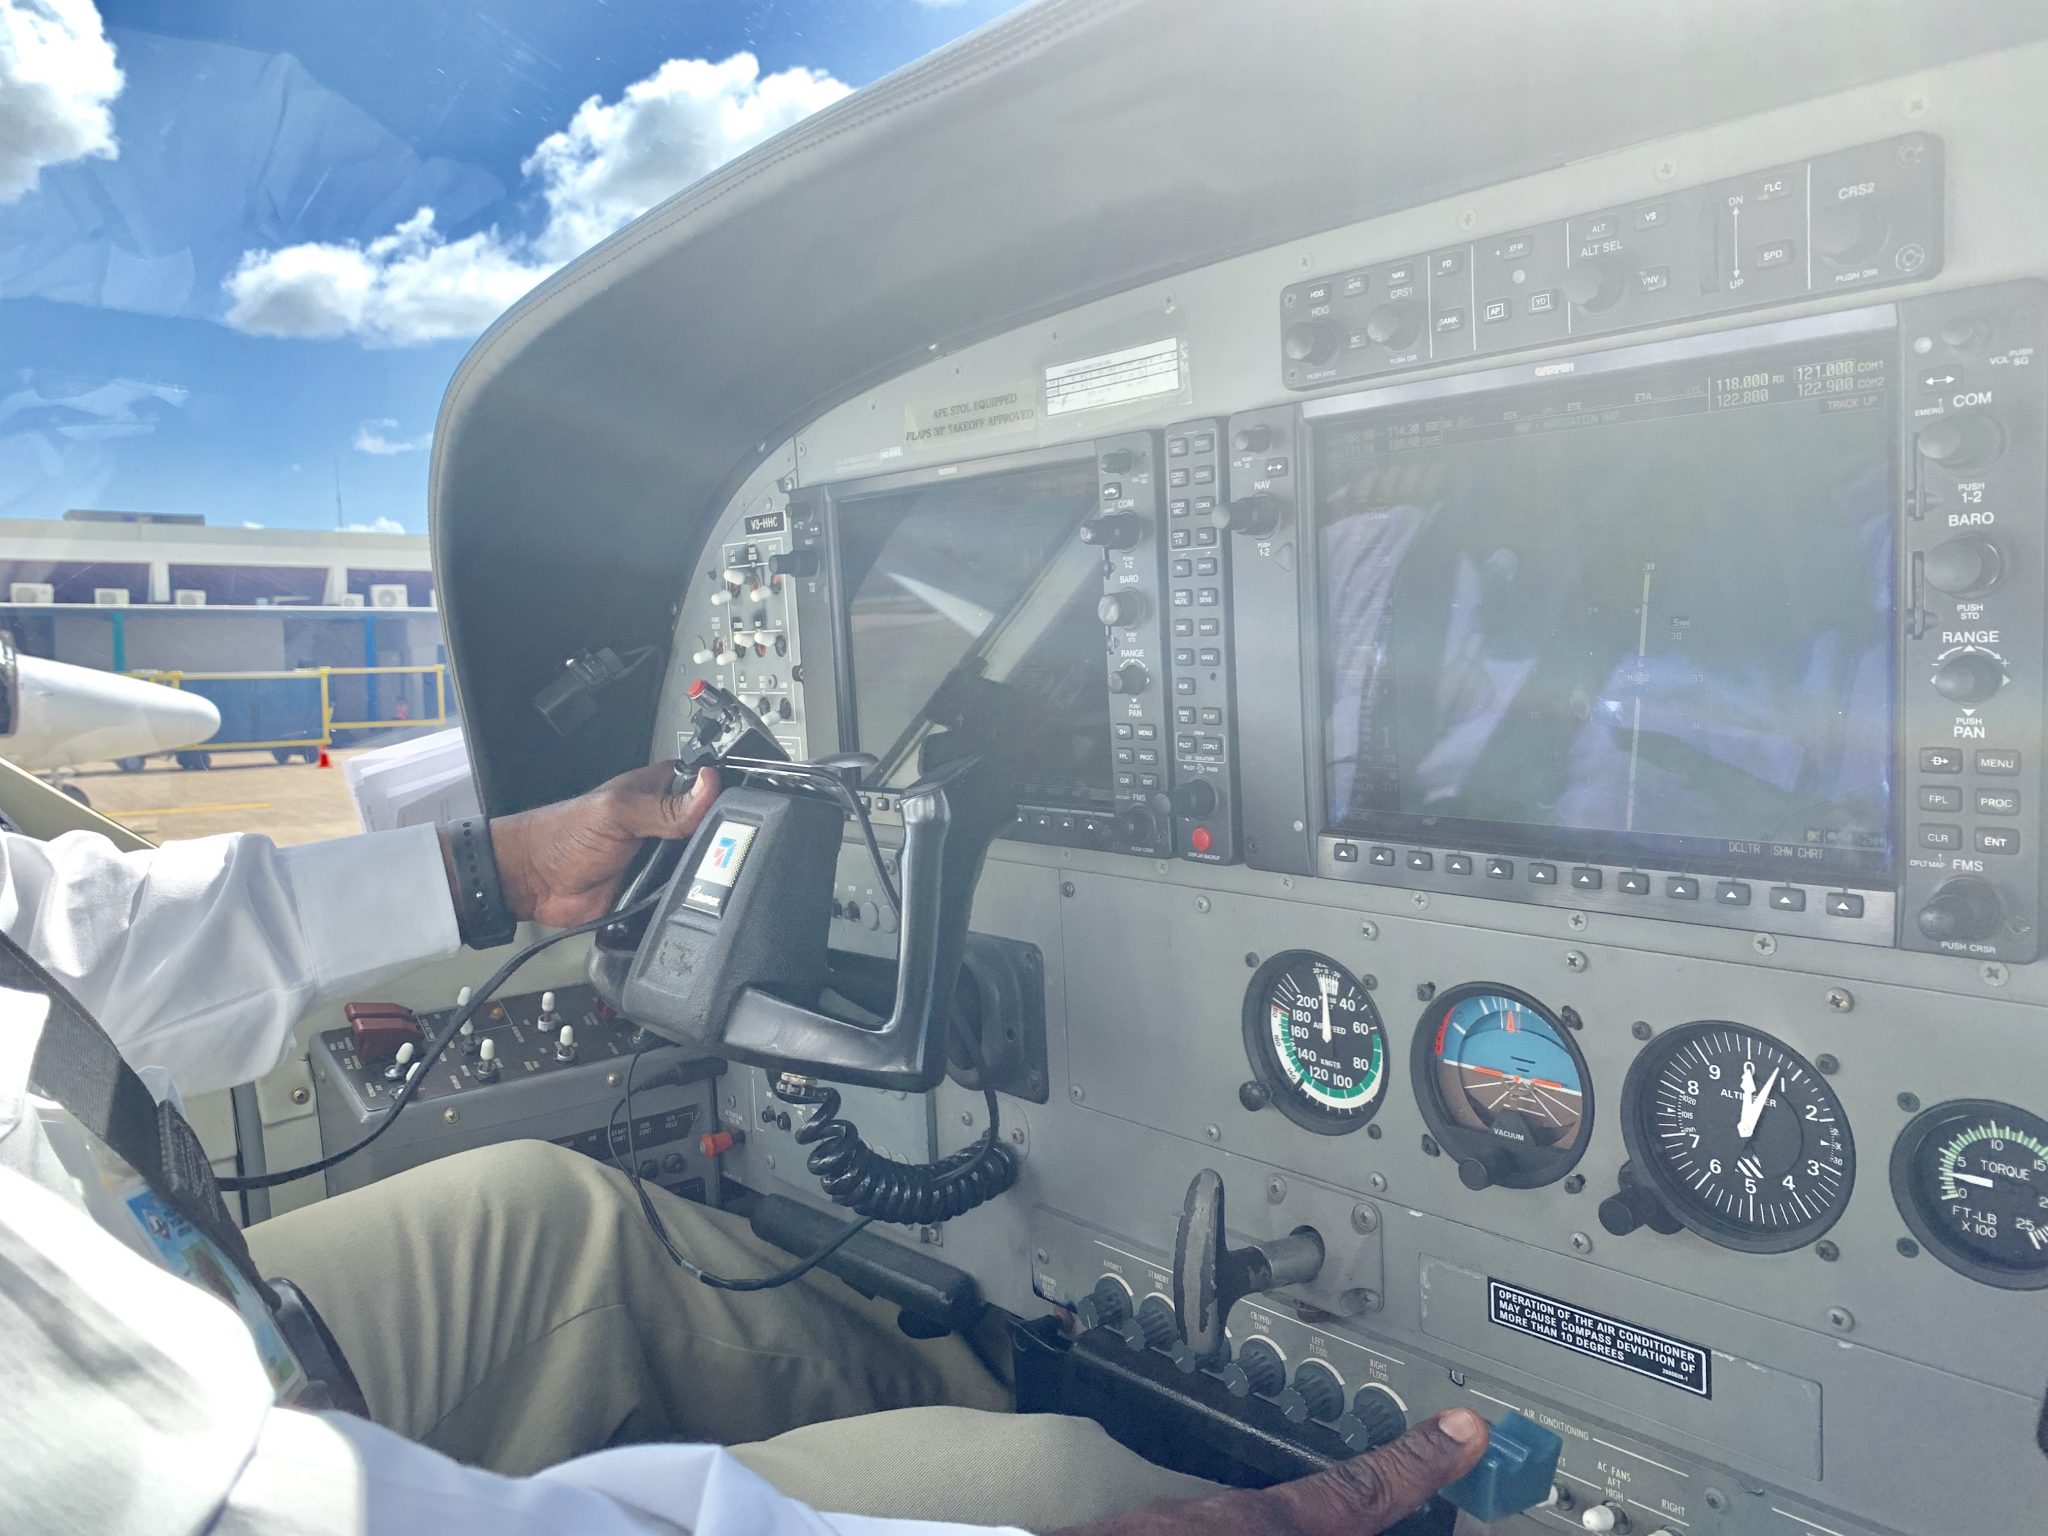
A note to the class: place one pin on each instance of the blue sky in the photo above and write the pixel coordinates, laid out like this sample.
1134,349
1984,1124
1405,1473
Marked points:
244,243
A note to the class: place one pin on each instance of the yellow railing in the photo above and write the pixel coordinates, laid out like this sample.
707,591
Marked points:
328,724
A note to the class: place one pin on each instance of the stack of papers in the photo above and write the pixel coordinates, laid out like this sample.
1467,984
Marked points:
423,781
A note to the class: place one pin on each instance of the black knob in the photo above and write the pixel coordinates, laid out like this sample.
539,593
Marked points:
1964,440
1105,1306
1961,912
1634,1206
1395,325
1113,530
785,710
1122,608
1849,231
1134,824
1194,797
1118,461
1258,1371
1374,1419
1969,677
1252,439
1595,283
1153,1327
1315,1393
1966,566
1254,1095
796,562
1966,331
1256,514
1310,341
1475,1173
1131,677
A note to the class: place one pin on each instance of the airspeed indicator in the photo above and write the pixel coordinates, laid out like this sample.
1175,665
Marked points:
1316,1042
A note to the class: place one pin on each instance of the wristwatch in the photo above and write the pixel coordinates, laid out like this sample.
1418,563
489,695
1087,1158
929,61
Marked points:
481,913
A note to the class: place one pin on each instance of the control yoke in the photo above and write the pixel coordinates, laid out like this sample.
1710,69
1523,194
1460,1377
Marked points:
1210,1277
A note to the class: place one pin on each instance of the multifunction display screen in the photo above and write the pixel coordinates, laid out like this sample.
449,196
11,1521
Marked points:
955,583
1643,615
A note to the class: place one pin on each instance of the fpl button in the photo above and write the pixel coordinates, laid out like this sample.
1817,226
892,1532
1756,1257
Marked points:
1201,840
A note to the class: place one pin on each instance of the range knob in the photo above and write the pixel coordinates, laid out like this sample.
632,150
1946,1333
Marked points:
1252,439
1965,567
1850,230
1962,440
1153,1327
1258,513
1113,530
1105,1306
1595,283
1310,341
1118,461
1314,1394
1194,797
800,563
1121,609
1131,677
1375,1418
1395,325
1969,676
1962,912
1258,1371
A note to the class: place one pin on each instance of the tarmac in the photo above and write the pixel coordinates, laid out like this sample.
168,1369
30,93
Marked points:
242,792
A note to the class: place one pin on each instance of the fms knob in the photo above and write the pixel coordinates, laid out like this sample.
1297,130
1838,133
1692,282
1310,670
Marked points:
1122,609
1962,911
1594,283
1965,567
1131,677
1969,676
1310,341
1136,826
1113,530
1962,440
1395,325
1256,514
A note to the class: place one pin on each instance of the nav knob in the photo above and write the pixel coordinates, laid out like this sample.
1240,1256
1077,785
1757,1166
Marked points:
1121,609
1395,325
1961,440
1310,341
1113,530
1194,797
1118,461
1965,566
1963,910
1131,677
1258,1371
1375,1418
1969,676
1256,514
1849,230
1594,284
1314,1394
1252,439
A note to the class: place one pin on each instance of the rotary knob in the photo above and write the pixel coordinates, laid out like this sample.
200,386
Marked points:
799,563
1849,231
1122,609
1395,325
1969,676
1375,1418
1131,677
1310,341
1194,797
1152,1327
1105,1306
1964,567
1135,825
1258,1371
1314,1394
1113,530
1961,912
1118,461
1961,441
1595,283
1253,515
1252,439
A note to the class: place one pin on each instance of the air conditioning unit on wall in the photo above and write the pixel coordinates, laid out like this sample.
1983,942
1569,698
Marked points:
189,597
31,592
389,594
351,599
110,597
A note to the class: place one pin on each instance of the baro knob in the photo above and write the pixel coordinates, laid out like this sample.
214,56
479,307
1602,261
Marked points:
1965,566
1122,609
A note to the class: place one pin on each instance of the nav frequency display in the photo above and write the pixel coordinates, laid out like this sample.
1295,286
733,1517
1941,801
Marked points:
1639,616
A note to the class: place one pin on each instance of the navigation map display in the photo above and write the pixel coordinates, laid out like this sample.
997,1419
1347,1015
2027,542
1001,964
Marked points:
1642,615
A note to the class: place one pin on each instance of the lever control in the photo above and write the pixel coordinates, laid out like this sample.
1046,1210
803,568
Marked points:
1209,1277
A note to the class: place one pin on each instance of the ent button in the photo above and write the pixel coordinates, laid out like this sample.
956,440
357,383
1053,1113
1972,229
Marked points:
1998,840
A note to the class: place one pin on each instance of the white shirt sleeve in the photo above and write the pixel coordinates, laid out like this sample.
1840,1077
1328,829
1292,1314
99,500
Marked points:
200,956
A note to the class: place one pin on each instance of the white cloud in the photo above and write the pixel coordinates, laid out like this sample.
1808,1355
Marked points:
57,76
248,524
374,437
378,525
613,162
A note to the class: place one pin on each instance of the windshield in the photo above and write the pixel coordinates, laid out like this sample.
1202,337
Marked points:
243,246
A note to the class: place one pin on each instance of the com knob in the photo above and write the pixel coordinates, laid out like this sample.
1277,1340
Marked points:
1395,325
1194,797
1315,1395
1310,341
1595,284
1131,677
1963,911
1963,440
1969,676
1118,461
1252,439
1374,1420
1258,1371
1965,567
1253,515
1113,530
1850,230
1122,609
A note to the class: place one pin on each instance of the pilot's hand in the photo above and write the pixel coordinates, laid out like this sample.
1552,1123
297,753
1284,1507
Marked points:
1352,1498
561,864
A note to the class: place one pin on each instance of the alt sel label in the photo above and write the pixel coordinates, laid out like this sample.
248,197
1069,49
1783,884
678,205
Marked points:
1655,1355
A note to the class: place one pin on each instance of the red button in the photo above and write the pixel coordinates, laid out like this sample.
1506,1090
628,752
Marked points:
1200,840
696,686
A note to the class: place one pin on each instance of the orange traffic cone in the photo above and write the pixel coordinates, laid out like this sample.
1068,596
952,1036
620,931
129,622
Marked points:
325,760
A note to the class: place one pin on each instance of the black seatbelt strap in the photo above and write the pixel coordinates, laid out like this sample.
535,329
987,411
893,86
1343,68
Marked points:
79,1068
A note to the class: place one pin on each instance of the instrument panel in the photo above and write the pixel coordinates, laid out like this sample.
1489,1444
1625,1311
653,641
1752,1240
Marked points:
1547,800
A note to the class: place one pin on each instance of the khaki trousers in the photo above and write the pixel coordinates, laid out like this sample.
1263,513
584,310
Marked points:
510,1308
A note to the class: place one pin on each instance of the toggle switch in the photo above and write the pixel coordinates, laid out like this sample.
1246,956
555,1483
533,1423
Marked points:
565,1043
487,1061
396,1072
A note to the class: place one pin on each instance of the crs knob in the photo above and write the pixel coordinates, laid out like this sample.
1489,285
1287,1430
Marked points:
1252,439
1315,1394
1310,341
1131,677
1966,566
1258,1371
1850,230
1395,325
1962,440
1258,513
1595,283
1961,912
1113,530
1194,797
1122,609
1969,676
